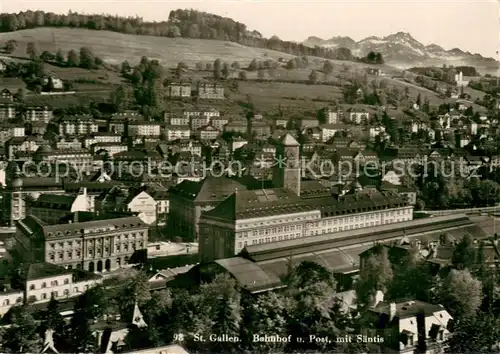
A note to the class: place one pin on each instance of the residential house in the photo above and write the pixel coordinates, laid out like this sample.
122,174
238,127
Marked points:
173,120
281,123
68,144
177,132
237,142
39,114
110,148
308,123
143,128
7,109
104,137
376,131
207,132
57,83
410,326
328,130
5,94
78,125
357,116
219,122
178,89
39,282
8,131
237,126
79,159
25,144
210,90
260,129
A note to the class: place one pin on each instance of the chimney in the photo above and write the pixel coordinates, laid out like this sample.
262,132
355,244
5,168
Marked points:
392,310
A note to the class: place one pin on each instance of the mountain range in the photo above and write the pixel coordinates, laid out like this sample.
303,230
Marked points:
403,51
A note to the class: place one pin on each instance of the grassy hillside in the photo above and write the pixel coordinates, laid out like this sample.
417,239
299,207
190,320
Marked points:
268,96
116,47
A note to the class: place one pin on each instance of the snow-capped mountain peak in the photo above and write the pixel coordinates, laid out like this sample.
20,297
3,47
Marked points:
403,50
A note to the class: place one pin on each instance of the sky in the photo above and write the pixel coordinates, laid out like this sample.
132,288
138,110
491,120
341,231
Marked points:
471,25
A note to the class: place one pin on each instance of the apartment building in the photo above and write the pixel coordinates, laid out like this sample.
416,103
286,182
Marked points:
78,125
39,114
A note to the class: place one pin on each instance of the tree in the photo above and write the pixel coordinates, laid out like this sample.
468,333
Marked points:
291,64
217,69
59,57
235,65
464,254
242,75
461,293
20,95
376,274
474,335
82,338
125,67
208,66
266,314
136,290
199,66
73,59
313,77
328,67
32,51
253,65
10,46
226,71
12,23
22,336
52,319
419,100
87,58
261,74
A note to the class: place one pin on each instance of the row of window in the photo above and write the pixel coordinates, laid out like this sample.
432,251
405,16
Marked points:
270,239
97,241
52,283
279,221
271,231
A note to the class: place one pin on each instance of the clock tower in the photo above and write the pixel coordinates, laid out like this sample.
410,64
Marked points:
287,172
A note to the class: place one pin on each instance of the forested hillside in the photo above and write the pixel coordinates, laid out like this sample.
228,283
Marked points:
181,23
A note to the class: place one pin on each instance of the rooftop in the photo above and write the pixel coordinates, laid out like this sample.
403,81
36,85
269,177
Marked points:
249,204
408,308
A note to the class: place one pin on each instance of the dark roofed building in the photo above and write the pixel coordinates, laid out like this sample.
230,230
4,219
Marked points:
94,245
188,199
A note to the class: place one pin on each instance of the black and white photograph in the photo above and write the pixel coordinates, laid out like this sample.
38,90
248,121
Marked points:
249,176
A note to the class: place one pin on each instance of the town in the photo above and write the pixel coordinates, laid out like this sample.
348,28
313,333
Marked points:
304,199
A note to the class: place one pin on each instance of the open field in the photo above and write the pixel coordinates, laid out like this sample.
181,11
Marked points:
116,47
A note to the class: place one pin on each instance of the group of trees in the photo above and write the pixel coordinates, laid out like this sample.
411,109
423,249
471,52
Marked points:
146,90
181,23
85,58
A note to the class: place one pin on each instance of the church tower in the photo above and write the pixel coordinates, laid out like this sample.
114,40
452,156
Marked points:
287,171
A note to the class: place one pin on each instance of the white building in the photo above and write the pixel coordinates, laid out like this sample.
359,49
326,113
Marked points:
41,281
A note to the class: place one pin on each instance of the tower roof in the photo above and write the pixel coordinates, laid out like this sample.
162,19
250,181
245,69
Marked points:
289,140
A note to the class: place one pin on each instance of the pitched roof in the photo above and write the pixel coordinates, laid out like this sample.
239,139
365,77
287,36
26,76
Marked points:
209,189
258,203
408,308
288,140
41,270
59,201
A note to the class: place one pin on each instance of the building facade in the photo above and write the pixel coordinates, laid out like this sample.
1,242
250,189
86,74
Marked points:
99,245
